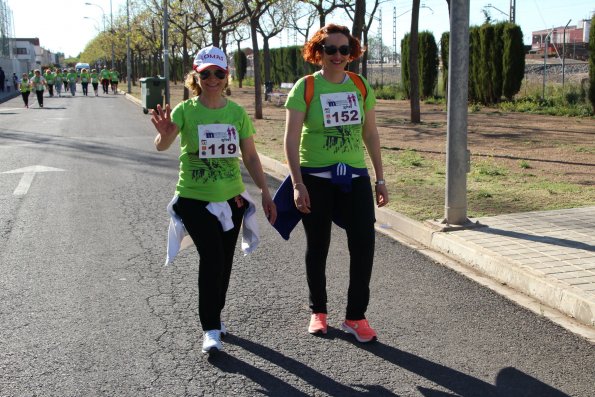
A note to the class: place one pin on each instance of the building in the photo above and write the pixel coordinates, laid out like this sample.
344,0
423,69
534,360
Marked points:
574,40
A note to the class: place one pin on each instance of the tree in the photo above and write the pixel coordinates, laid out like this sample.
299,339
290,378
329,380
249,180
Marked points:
428,63
186,18
357,15
358,27
222,14
240,62
444,49
254,10
273,21
487,42
414,64
324,8
513,60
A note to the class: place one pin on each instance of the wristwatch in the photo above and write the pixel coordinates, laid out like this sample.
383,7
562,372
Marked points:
380,182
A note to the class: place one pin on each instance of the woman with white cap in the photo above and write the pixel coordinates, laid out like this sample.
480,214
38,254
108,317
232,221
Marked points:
213,132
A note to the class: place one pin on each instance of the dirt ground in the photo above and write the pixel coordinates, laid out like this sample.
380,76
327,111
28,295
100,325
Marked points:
561,147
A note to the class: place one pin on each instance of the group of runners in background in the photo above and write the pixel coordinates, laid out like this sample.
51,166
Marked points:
66,79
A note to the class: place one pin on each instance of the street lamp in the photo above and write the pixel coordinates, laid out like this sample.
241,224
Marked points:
111,24
102,12
97,26
500,11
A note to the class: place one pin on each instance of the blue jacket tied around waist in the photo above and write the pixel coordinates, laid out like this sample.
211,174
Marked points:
288,215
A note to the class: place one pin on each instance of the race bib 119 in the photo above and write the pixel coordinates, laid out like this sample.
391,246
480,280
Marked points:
217,141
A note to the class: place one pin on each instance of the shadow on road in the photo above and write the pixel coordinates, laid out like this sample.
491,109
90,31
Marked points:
510,382
276,386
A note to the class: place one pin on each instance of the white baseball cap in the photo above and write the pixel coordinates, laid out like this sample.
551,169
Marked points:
210,56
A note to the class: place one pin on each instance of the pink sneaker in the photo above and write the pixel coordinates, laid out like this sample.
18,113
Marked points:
317,324
360,329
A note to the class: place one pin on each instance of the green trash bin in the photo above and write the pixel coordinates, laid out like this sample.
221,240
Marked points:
151,92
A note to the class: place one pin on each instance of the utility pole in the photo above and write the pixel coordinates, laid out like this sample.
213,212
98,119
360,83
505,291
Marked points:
128,62
166,51
395,35
512,12
381,45
457,155
545,51
564,54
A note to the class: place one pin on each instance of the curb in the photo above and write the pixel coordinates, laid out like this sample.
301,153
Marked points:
551,293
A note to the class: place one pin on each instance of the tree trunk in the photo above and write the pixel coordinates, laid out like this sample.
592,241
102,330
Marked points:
256,61
365,56
185,61
267,59
359,19
414,64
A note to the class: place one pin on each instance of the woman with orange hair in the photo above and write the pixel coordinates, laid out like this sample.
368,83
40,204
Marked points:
330,118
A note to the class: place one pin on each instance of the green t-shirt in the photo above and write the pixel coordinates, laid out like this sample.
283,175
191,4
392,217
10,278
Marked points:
94,78
115,76
323,146
212,180
38,83
49,77
104,73
59,78
84,77
72,77
24,85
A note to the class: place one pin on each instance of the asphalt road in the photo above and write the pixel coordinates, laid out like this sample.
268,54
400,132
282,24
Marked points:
88,309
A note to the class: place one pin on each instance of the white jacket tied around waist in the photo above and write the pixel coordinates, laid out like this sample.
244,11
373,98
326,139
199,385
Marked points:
178,238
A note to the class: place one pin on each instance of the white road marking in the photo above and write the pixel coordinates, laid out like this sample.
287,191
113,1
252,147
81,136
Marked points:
28,176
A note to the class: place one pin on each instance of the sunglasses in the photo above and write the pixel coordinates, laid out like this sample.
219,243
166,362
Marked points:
332,49
205,74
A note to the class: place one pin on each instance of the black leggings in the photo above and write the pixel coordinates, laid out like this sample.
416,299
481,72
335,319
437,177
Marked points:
356,209
85,88
216,249
25,97
39,97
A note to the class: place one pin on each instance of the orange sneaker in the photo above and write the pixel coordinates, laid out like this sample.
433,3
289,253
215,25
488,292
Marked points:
360,329
317,324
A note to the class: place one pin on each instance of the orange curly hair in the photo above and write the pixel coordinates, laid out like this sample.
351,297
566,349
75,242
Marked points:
312,51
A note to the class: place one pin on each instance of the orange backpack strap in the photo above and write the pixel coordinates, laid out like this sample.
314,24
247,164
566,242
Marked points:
359,83
309,89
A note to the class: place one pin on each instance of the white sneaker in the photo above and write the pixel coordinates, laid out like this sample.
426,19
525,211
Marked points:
223,330
212,341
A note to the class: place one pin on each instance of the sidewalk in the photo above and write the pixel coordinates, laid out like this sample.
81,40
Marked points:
546,255
7,95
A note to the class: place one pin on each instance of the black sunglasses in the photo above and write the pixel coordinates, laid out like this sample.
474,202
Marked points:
332,49
205,74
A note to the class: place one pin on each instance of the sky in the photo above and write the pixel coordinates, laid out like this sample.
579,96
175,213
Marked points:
61,27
